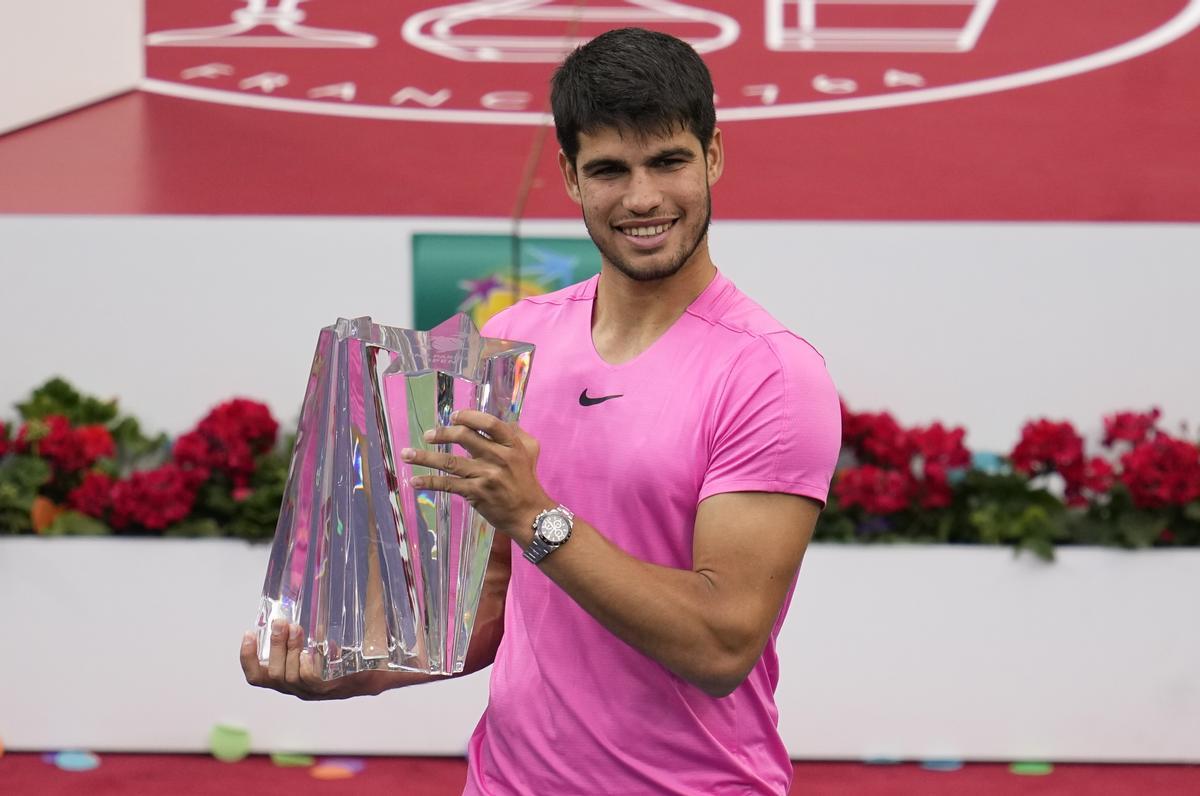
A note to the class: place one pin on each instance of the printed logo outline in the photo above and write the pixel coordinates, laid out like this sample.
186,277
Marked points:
1182,23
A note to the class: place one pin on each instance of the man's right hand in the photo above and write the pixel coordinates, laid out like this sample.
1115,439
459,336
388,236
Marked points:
290,670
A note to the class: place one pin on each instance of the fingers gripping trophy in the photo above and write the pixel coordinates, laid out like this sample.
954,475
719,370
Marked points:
377,573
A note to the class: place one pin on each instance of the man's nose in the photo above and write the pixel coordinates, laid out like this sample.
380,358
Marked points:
643,195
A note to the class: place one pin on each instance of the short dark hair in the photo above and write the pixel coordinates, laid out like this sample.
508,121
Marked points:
632,79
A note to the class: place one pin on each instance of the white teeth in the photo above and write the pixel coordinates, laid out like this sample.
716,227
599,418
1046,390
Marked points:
647,232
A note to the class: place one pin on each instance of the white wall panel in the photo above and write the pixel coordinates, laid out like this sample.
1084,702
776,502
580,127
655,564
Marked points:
58,55
984,325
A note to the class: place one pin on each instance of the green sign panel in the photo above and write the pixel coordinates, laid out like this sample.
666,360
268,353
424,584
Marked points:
475,273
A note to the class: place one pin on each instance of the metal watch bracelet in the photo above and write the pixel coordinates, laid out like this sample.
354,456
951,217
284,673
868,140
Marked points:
539,547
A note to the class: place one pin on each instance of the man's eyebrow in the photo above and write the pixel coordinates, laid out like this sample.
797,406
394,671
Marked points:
675,152
599,163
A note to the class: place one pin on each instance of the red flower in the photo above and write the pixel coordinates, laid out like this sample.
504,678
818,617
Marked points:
96,442
1162,471
1049,447
192,450
249,420
93,496
67,449
154,499
1098,475
228,439
3,438
59,444
877,490
22,442
934,491
1046,446
851,428
877,438
1131,427
942,445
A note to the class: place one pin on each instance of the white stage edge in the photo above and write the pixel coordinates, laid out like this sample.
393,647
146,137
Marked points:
910,652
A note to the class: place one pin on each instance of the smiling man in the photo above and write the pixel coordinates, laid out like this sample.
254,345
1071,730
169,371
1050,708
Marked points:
674,453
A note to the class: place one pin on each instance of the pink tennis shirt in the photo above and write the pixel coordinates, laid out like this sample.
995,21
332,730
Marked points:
727,400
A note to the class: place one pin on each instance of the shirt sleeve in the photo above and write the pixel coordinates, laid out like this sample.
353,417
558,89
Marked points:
495,326
777,423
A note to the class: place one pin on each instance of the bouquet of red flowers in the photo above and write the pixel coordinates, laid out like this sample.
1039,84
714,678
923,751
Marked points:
923,484
73,464
76,466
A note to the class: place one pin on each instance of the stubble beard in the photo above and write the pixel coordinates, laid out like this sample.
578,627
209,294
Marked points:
665,271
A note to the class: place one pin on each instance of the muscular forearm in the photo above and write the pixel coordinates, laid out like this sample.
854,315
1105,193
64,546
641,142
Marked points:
707,624
677,617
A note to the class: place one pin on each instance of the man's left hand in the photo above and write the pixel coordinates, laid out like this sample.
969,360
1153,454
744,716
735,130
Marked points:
499,478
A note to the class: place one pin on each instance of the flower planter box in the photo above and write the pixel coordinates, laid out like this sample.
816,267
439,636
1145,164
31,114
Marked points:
915,652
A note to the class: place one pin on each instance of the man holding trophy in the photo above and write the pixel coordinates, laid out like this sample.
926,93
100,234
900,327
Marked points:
660,490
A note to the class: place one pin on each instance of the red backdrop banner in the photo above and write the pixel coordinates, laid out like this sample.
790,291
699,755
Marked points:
832,109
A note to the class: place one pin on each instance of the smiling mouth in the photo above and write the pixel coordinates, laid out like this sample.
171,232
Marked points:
647,231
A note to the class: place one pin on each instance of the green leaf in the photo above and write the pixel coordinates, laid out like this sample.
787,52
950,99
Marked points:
27,474
195,526
1140,528
1192,511
13,523
1040,546
135,449
72,523
58,397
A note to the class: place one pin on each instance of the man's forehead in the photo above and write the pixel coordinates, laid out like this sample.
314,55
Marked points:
630,141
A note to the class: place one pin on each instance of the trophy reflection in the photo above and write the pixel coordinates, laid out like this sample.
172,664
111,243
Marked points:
381,575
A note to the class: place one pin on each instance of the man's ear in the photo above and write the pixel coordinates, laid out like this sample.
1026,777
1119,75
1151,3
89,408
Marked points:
715,157
570,177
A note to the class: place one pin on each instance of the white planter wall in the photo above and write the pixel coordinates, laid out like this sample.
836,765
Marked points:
914,652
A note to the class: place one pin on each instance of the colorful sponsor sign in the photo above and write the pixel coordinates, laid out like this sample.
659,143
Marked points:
475,273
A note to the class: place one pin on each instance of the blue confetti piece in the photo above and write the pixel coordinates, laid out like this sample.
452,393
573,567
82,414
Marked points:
76,761
942,765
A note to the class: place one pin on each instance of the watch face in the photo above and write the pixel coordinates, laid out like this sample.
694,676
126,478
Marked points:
554,528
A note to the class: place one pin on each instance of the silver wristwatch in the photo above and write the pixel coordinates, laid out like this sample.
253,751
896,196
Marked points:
551,529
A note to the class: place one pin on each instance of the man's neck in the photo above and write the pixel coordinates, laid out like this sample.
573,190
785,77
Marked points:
628,315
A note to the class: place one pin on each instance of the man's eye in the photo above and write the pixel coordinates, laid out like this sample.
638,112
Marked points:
671,163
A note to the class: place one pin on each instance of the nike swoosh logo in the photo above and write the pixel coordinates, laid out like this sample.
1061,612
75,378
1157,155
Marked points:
585,400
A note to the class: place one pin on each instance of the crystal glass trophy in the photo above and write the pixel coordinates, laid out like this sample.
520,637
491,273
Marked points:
381,575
